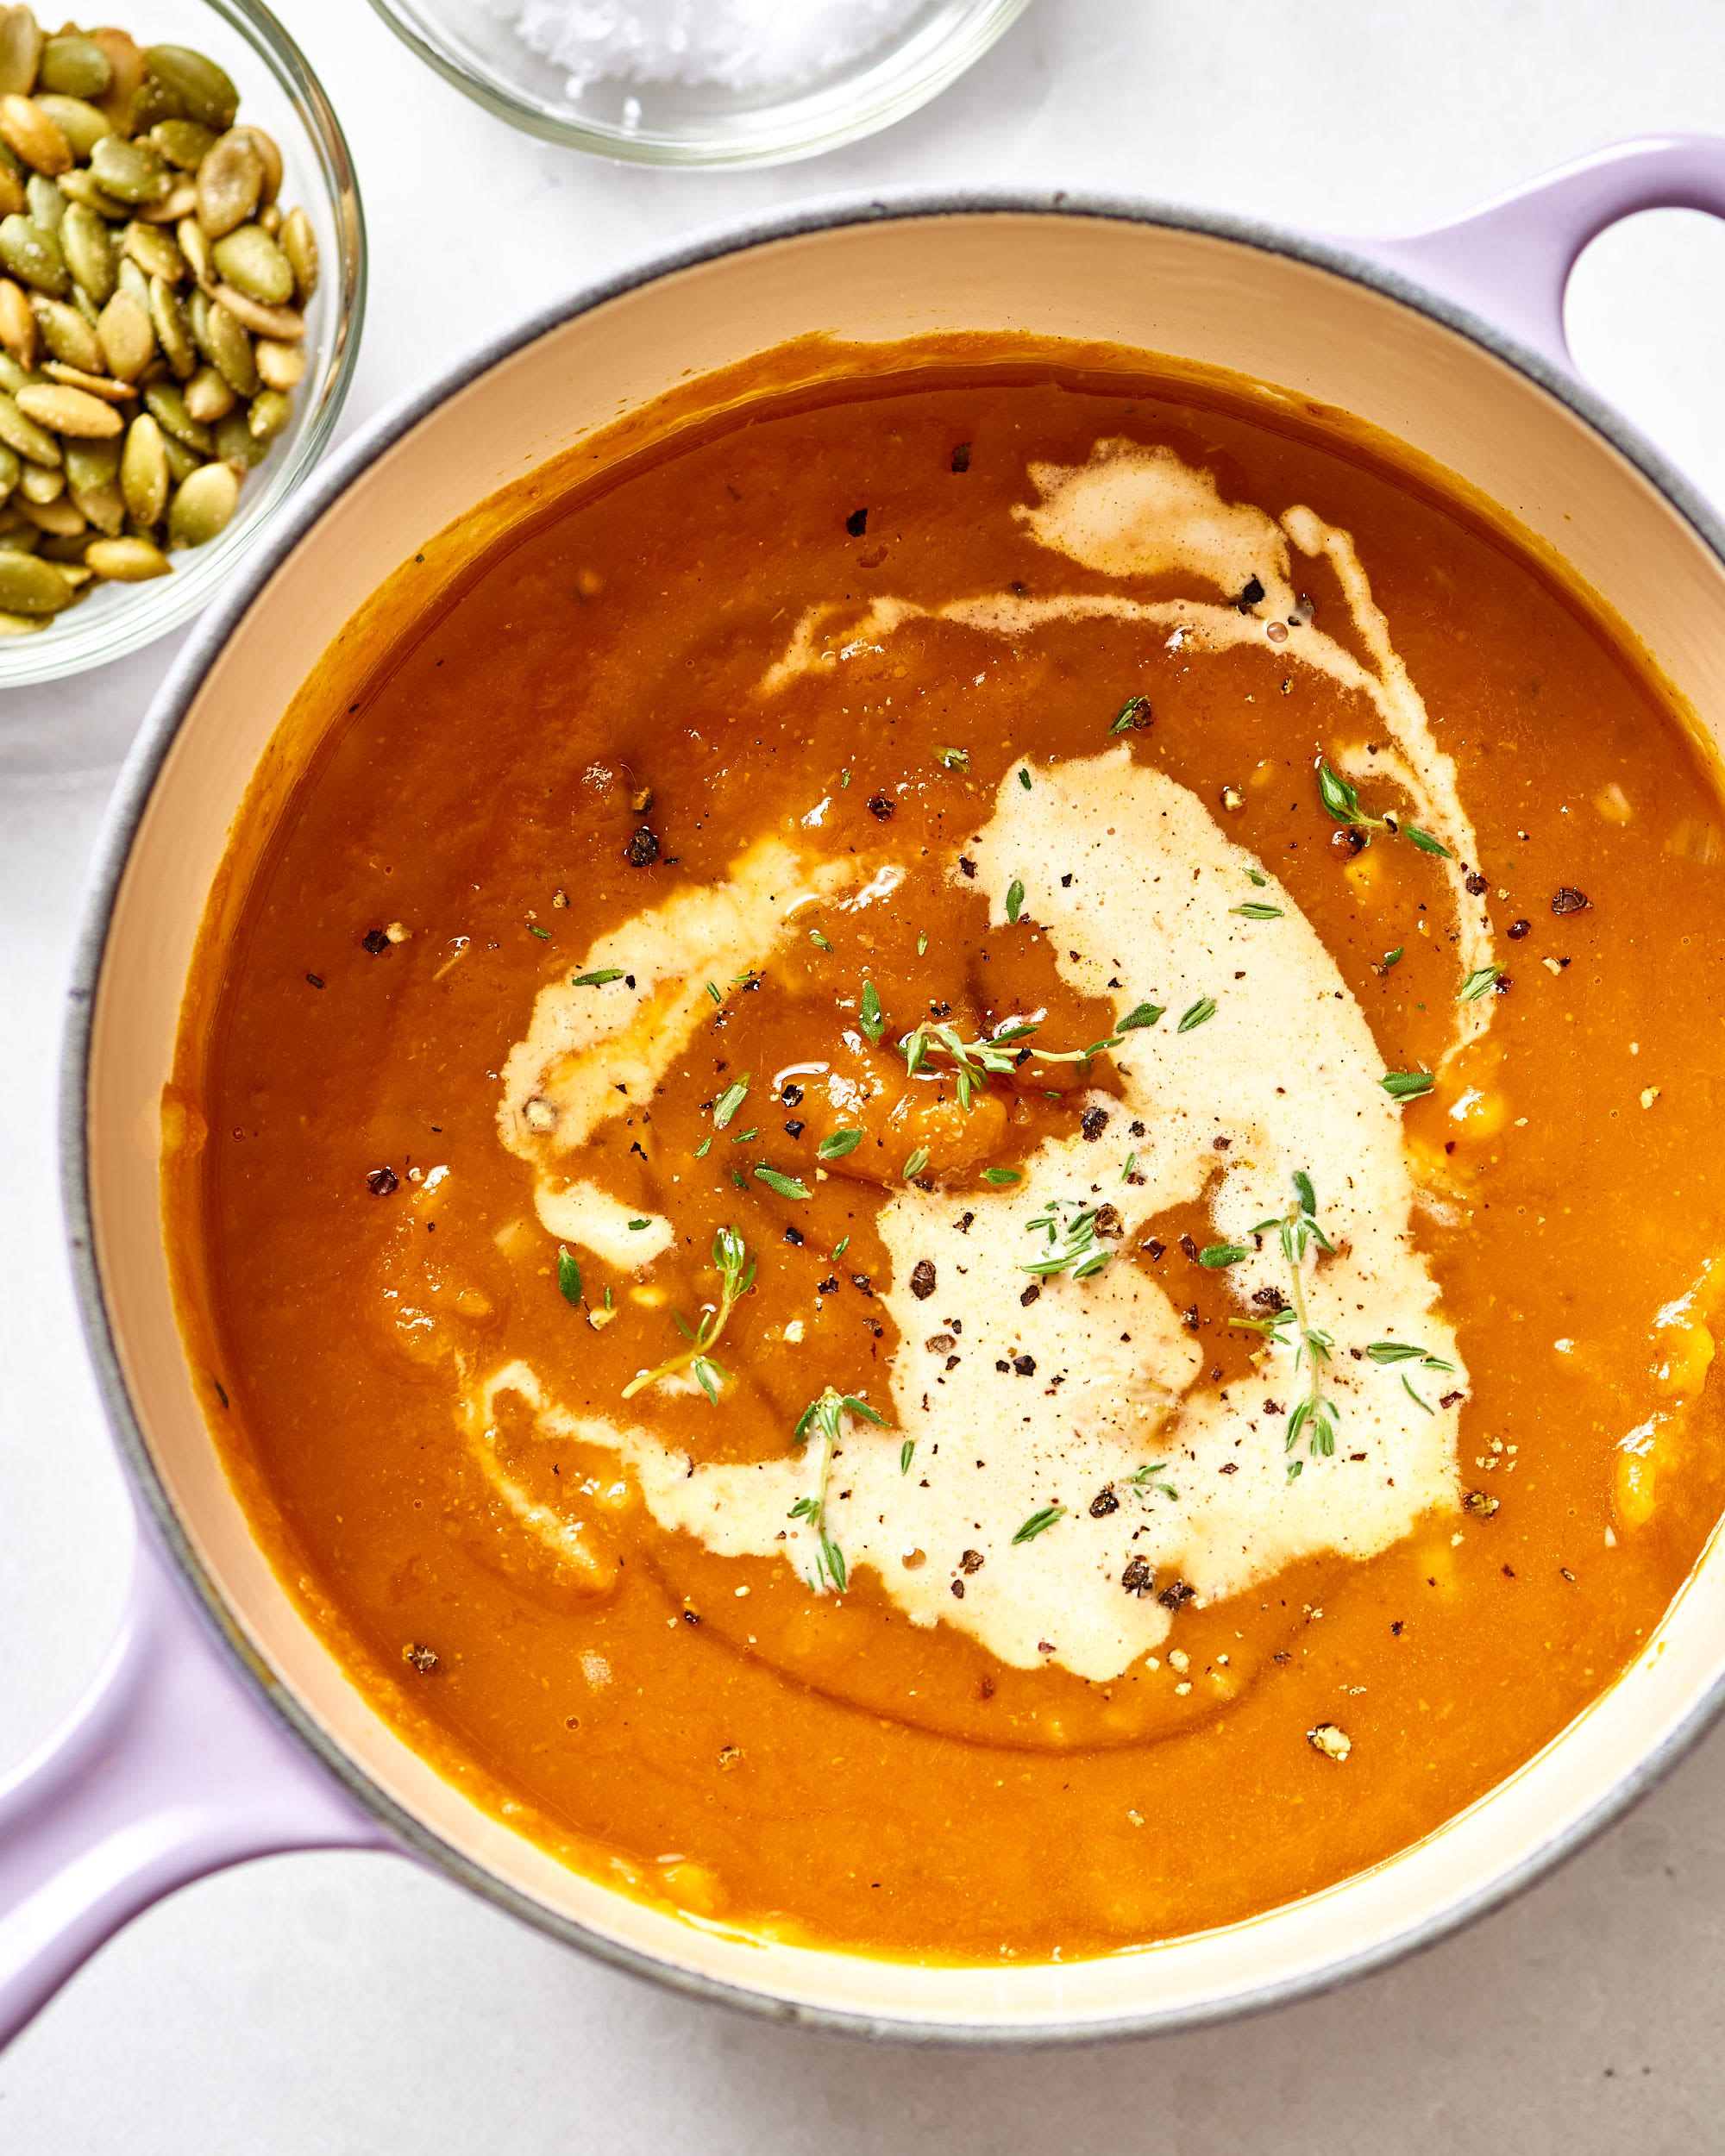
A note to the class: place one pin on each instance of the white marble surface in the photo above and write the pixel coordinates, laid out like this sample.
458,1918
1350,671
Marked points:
349,2005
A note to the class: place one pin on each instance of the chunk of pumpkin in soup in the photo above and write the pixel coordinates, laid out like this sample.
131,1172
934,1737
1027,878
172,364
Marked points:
924,1314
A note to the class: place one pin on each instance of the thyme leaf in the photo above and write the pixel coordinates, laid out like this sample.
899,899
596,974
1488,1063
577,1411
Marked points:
1024,778
1253,911
1001,1176
819,940
1140,1014
1480,982
1407,1085
730,1101
838,1144
874,1025
1038,1524
568,1275
786,1186
916,1163
1221,1254
1203,1011
1143,1484
1015,898
596,980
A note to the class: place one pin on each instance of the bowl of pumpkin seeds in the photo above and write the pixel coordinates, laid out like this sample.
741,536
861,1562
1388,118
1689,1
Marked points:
182,279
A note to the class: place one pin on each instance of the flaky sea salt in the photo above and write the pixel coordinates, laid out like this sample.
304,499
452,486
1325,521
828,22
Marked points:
729,44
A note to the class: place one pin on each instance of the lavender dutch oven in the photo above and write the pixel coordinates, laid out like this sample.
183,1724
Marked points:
221,1727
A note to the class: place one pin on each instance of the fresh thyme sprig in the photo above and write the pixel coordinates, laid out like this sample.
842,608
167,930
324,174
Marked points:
821,1416
997,1054
736,1277
1071,1242
1315,1416
1342,801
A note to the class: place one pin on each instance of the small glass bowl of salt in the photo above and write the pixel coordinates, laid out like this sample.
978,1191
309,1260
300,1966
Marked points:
700,82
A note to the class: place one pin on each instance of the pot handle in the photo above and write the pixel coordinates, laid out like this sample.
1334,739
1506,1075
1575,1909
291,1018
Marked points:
169,1769
1510,260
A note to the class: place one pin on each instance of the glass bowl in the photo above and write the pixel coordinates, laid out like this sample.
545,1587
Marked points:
472,46
279,93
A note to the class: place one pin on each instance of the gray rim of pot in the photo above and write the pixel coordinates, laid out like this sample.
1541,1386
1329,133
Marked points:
131,796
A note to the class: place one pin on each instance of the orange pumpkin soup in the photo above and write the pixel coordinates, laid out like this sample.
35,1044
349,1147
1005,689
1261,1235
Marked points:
947,1185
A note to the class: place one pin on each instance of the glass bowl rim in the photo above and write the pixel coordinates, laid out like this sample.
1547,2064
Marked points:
799,126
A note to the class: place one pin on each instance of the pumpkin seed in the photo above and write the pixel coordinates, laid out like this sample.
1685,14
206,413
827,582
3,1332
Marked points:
25,539
21,50
31,586
184,143
17,324
28,130
14,376
300,244
43,201
76,66
237,445
269,220
102,506
25,436
203,91
67,334
133,281
269,414
281,365
102,385
11,469
78,186
34,256
194,245
68,411
67,555
225,344
230,184
267,321
251,261
204,506
85,305
89,465
133,170
268,149
88,251
83,125
60,515
143,471
181,462
127,341
126,561
167,402
168,318
21,625
208,398
39,484
153,251
14,202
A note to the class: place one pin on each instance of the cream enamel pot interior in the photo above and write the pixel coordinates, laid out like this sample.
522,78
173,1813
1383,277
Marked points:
222,1726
